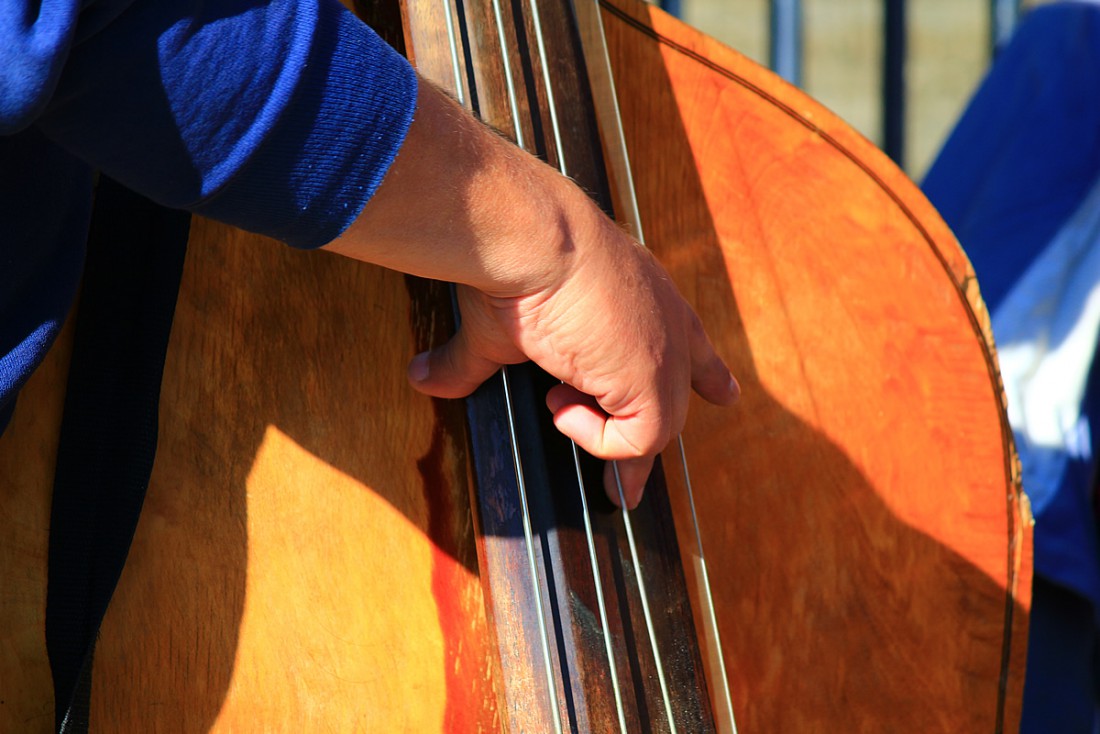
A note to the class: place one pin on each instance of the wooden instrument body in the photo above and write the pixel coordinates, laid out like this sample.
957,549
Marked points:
307,559
862,502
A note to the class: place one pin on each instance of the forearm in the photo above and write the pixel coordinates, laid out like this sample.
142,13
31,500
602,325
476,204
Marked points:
546,277
461,203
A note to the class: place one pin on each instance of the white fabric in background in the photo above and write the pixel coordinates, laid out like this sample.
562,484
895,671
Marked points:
1046,330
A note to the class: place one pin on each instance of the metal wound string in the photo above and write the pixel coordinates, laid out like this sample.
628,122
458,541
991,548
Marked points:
555,126
722,689
452,38
594,47
589,537
528,533
645,601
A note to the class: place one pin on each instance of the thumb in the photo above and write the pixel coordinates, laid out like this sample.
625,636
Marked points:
453,370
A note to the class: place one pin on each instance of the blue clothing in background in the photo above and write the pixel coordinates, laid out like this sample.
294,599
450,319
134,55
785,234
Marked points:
280,117
1019,183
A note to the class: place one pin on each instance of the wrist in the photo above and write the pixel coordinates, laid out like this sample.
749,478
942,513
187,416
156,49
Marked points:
461,203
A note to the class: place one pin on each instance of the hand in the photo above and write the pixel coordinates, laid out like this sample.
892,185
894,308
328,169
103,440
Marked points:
627,347
545,276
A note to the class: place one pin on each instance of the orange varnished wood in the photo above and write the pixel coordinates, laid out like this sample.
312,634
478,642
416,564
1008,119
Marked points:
28,452
861,513
305,558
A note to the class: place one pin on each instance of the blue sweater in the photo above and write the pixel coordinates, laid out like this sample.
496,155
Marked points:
280,117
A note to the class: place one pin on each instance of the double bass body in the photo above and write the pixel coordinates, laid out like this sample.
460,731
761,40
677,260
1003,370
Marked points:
308,558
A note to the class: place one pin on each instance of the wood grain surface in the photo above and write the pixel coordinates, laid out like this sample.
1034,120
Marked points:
861,508
307,557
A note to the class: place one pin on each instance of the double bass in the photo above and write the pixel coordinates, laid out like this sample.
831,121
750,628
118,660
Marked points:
322,549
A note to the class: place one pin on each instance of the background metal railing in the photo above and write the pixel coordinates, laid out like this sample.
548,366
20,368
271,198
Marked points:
786,51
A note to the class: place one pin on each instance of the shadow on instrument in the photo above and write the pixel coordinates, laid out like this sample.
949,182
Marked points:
306,558
860,508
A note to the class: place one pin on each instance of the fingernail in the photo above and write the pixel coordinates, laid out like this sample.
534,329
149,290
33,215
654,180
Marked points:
735,389
418,367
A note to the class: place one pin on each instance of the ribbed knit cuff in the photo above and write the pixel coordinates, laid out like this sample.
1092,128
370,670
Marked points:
333,143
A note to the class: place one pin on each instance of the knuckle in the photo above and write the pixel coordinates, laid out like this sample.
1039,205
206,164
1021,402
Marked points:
651,442
633,446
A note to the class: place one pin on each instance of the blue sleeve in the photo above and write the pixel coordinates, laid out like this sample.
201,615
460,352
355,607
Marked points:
279,117
34,45
1026,151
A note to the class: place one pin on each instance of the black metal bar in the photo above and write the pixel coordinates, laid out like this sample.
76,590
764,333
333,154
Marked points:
786,40
893,80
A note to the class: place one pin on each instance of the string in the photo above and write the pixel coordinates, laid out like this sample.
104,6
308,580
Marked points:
452,38
550,104
556,127
724,704
528,533
597,57
645,603
589,536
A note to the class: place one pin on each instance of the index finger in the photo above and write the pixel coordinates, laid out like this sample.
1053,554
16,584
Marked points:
710,377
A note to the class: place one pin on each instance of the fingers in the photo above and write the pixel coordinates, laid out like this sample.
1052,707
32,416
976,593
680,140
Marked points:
453,370
624,481
642,364
582,419
631,442
710,377
579,417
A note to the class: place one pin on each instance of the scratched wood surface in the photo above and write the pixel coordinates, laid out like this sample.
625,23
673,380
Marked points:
868,541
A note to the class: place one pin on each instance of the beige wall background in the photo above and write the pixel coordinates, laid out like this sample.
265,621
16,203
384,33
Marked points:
948,56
